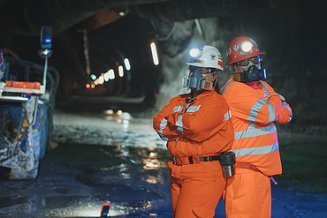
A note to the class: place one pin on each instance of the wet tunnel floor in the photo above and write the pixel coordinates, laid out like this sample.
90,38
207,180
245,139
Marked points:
74,180
127,166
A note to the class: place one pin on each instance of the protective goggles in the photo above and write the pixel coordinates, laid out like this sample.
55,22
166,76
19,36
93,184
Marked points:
202,71
249,61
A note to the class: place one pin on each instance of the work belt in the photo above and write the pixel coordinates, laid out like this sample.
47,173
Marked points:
179,161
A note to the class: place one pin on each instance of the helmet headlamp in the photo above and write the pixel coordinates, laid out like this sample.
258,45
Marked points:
246,46
195,52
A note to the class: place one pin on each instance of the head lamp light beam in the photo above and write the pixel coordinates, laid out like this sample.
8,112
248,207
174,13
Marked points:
246,46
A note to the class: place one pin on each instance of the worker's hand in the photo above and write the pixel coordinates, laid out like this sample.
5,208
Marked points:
267,93
275,98
170,120
277,104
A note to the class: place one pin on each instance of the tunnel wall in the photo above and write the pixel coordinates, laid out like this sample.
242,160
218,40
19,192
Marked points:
295,44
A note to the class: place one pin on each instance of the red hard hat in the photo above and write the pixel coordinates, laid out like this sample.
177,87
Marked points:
241,48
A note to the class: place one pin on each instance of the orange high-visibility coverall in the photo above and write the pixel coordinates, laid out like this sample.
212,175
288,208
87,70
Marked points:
195,127
254,110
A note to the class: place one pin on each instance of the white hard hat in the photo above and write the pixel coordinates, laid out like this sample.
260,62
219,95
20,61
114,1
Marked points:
210,58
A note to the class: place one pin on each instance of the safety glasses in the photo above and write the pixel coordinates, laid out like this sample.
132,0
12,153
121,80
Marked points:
203,71
249,61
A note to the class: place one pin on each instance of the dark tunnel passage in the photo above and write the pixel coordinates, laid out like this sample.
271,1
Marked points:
114,65
117,63
92,38
93,42
105,65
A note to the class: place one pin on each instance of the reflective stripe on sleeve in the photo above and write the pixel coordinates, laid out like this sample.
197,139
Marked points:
193,108
253,132
272,116
163,125
266,92
177,109
179,124
255,151
227,115
287,106
255,109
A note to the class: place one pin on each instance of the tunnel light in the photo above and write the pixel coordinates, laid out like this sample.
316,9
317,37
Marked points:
101,79
120,71
109,112
195,52
119,112
111,74
246,46
127,64
106,76
93,77
126,116
154,53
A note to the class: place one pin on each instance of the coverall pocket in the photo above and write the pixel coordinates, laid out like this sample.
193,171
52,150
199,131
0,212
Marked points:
202,212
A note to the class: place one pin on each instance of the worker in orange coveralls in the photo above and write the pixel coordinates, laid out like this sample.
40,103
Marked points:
197,129
255,108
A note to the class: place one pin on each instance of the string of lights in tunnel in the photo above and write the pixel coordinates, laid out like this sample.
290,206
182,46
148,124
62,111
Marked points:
110,74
